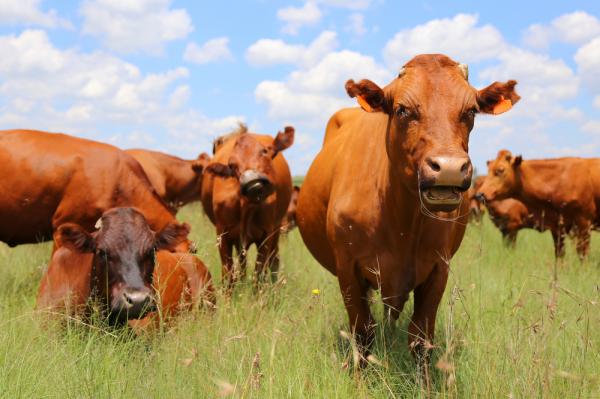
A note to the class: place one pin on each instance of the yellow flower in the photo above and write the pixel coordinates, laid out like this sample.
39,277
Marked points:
316,291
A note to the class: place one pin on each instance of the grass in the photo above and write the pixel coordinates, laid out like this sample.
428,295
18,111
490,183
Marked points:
503,331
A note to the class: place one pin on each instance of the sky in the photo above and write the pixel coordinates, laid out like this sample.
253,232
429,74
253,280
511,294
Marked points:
172,75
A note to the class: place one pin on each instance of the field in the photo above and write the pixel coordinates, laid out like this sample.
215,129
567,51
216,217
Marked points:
504,331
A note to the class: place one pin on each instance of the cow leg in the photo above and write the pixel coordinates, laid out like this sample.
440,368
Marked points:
242,252
584,228
355,292
558,235
422,325
226,251
268,257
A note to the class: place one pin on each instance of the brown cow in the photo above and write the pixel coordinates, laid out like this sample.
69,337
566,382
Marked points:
379,203
219,141
115,268
289,221
566,190
50,179
177,181
245,193
476,207
510,216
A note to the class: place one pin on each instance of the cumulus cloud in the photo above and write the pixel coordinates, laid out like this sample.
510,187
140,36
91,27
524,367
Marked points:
275,51
213,50
135,25
295,18
573,28
588,63
458,37
28,12
48,88
311,94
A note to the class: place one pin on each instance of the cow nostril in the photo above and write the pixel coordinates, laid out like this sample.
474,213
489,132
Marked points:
434,165
465,167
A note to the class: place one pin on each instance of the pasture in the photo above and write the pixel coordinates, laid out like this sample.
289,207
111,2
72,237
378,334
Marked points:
504,330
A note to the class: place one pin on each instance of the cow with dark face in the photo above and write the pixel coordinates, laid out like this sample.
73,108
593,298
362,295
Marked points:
118,269
246,193
383,205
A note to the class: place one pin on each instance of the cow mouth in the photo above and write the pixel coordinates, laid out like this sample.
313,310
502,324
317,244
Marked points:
447,197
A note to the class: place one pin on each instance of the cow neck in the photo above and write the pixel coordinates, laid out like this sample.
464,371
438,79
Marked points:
181,180
532,181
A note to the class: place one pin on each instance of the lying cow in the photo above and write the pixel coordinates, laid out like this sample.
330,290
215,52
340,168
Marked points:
289,221
50,179
177,181
124,267
383,205
245,193
565,189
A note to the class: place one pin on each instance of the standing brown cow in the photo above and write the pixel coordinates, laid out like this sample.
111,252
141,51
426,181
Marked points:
177,181
115,267
245,193
476,207
568,189
289,221
383,204
49,179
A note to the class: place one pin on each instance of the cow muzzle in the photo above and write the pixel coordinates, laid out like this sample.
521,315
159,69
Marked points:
255,186
132,303
442,180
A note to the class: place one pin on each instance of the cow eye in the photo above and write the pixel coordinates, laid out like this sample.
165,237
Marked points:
471,112
402,111
264,151
499,172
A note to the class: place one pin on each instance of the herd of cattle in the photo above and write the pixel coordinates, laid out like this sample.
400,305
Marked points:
384,204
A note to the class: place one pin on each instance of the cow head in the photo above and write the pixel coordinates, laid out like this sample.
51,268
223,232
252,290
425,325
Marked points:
502,178
124,247
431,108
251,162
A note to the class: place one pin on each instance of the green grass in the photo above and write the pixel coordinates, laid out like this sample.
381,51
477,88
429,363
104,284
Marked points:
503,331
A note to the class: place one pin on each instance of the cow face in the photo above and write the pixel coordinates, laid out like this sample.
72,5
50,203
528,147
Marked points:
501,181
123,262
432,108
251,162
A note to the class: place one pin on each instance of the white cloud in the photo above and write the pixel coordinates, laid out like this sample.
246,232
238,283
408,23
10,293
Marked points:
135,25
459,37
297,17
588,63
574,28
310,95
597,102
592,127
28,12
356,24
274,51
44,87
213,50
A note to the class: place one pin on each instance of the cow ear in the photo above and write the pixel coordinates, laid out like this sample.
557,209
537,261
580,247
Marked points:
498,97
517,161
172,235
369,96
219,169
283,140
488,163
74,237
201,162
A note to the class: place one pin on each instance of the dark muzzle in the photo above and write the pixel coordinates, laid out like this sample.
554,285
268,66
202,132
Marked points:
132,303
255,186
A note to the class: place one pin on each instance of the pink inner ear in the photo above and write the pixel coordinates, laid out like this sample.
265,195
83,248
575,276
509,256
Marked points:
363,103
502,106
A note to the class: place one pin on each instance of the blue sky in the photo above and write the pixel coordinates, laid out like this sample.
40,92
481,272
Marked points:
172,75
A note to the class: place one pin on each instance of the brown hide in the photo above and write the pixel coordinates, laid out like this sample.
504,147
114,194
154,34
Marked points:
50,179
177,181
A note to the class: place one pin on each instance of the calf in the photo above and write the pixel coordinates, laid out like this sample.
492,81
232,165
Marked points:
115,267
245,193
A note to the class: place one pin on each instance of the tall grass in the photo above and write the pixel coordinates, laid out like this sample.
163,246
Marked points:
504,330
